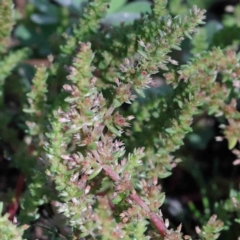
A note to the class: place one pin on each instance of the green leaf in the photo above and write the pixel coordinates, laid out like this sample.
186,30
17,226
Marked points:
89,113
118,154
116,103
92,146
28,110
188,35
71,99
165,174
117,18
137,7
232,142
43,19
140,92
77,4
115,5
170,130
176,47
95,173
60,187
143,54
113,129
78,193
211,28
180,103
63,2
237,220
161,197
22,32
118,198
176,7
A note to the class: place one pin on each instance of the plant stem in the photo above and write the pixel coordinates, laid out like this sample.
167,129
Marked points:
154,218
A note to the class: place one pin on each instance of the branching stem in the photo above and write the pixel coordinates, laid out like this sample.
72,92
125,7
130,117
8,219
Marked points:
154,218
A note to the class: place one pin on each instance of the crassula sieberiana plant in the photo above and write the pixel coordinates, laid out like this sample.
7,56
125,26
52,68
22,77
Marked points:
94,149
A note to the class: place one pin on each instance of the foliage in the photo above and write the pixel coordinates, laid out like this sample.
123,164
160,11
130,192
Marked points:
106,120
9,230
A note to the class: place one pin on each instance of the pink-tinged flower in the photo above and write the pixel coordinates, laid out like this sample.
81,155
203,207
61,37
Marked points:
172,61
124,93
197,229
66,157
87,189
130,117
119,120
236,84
63,120
219,138
93,80
67,87
141,43
59,111
116,80
236,162
126,60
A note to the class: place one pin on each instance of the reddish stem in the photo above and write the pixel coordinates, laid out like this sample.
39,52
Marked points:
12,209
38,62
15,204
154,218
159,224
19,188
109,111
110,172
20,5
140,202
